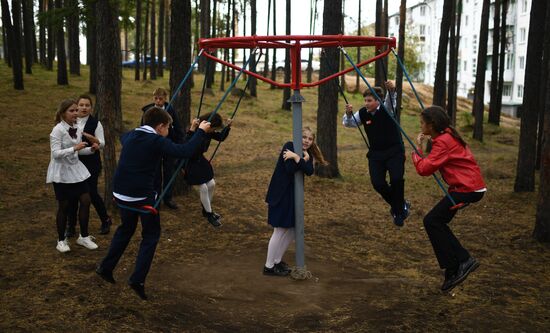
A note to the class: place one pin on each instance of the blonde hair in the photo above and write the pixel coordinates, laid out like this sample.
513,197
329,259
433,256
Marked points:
160,92
314,149
62,108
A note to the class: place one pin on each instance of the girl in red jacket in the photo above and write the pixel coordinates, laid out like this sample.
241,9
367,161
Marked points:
450,156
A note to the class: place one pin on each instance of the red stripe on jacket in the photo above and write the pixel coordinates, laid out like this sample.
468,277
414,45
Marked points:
455,163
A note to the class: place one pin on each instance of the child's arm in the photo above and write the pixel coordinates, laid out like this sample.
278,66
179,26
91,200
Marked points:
390,101
221,136
430,164
185,150
56,139
348,120
293,162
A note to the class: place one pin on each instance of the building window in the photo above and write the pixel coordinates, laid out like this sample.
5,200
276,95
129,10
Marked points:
422,11
466,20
396,20
523,6
507,90
520,91
422,29
465,65
522,35
509,60
521,62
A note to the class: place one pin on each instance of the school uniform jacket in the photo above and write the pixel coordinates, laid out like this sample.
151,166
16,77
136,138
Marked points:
455,162
175,133
140,157
93,127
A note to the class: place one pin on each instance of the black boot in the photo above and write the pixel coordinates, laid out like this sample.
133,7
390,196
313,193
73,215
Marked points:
213,220
105,226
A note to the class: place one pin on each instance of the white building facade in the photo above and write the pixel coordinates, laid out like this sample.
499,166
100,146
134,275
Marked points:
424,21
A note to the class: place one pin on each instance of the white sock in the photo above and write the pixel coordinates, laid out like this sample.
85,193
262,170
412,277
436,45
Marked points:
205,198
274,246
286,239
211,184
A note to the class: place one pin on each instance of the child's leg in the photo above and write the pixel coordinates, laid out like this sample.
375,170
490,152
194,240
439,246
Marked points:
96,199
286,239
61,218
72,213
377,170
211,184
150,234
274,246
121,238
84,213
396,169
205,197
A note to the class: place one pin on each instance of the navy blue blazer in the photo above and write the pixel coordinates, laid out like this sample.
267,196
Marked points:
141,156
282,180
175,132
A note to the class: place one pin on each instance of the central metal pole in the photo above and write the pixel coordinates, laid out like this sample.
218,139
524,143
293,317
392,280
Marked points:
296,101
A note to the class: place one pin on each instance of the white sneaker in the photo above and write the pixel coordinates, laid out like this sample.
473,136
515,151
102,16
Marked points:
63,246
87,242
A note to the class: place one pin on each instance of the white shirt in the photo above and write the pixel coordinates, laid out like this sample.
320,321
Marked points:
65,167
81,122
348,121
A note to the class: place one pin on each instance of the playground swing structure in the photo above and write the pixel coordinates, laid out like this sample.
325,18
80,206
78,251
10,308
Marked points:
384,46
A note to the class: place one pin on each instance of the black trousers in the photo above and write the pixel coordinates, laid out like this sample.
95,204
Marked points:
394,192
95,198
150,234
448,250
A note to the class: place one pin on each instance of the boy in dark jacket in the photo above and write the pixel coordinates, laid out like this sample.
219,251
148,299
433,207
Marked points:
133,186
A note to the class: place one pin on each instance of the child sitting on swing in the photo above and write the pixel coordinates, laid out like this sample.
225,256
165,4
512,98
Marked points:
199,170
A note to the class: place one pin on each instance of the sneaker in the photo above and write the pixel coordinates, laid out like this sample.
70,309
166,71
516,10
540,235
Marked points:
70,231
87,242
399,219
105,227
213,220
63,246
283,266
275,271
139,288
205,214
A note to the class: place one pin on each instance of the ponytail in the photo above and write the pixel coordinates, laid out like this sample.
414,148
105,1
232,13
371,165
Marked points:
441,123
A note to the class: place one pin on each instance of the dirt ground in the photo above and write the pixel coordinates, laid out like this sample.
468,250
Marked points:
367,274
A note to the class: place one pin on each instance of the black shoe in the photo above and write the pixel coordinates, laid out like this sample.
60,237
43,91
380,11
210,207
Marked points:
105,227
170,204
399,219
70,231
283,266
275,271
464,269
213,220
205,214
449,276
105,274
139,288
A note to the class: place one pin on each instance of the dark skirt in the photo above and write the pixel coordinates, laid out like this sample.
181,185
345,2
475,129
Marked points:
282,214
67,191
198,171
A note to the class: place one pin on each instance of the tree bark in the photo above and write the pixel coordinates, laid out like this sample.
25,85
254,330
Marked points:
211,66
162,14
453,60
494,66
91,44
253,81
286,91
180,58
205,29
266,54
62,76
502,53
327,101
378,31
478,105
525,172
51,37
137,53
401,40
5,46
274,58
12,39
441,67
153,44
28,27
145,40
42,33
401,54
73,32
109,86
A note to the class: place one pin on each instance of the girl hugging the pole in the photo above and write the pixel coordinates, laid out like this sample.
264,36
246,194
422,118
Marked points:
199,171
280,199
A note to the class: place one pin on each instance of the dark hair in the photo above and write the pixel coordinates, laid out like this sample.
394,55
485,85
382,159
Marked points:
86,96
377,90
440,121
215,122
62,108
156,116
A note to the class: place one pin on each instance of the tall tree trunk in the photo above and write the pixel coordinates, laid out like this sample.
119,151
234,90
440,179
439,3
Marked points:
51,37
167,37
42,33
243,10
196,33
12,36
327,100
28,24
91,44
234,17
456,46
401,40
205,29
253,81
312,25
180,58
138,40
286,91
441,68
478,106
145,40
211,66
401,54
266,56
453,60
162,14
5,45
62,77
542,220
153,36
378,31
73,33
502,54
274,58
525,172
226,51
109,86
342,61
494,66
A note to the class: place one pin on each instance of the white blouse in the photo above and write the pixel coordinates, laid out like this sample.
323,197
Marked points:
65,167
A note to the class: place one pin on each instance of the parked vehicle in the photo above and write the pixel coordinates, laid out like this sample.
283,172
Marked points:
132,63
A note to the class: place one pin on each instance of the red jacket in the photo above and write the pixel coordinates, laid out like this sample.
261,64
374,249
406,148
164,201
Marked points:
455,163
